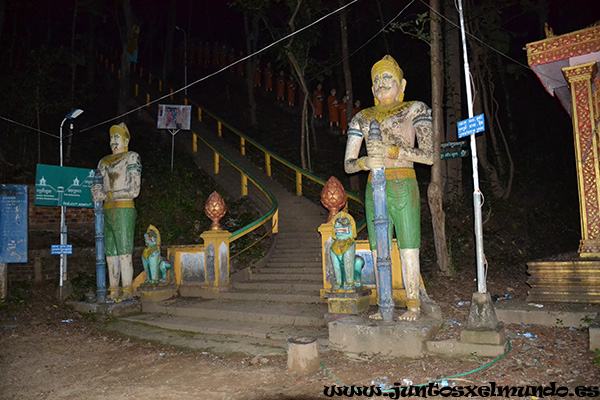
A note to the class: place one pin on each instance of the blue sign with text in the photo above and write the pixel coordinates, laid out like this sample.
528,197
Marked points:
471,126
13,224
61,249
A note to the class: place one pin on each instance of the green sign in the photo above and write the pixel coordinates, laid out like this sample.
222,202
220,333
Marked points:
455,154
63,186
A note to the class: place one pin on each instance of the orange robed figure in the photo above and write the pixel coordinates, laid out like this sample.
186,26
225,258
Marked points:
281,86
344,115
268,78
257,75
332,107
291,91
318,98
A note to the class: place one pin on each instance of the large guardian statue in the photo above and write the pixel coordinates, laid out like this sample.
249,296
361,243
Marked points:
407,138
121,172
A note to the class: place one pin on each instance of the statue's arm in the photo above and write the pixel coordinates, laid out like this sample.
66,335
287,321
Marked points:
423,127
98,192
134,180
352,162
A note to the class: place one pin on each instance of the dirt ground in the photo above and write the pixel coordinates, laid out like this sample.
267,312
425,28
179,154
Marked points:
51,352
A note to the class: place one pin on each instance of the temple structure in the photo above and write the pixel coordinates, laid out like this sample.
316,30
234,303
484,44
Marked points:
567,66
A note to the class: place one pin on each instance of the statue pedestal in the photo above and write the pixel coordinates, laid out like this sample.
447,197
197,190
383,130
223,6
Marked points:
356,335
155,293
340,301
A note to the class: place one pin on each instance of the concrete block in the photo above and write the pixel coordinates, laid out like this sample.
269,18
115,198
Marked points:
348,302
361,336
594,331
549,314
454,348
157,293
115,310
483,336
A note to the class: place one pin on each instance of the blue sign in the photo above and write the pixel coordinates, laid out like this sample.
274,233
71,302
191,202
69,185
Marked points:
471,126
13,223
61,249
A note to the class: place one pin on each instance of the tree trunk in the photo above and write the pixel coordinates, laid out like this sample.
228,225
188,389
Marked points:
73,78
452,178
168,58
434,192
124,83
251,65
354,178
304,147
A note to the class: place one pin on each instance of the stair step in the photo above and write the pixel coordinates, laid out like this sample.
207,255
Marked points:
286,277
291,266
216,344
272,313
274,268
274,333
279,295
274,285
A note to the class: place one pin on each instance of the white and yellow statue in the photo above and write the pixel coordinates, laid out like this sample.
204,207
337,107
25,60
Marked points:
402,124
121,172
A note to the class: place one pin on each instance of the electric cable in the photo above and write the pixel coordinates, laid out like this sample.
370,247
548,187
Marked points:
435,380
225,67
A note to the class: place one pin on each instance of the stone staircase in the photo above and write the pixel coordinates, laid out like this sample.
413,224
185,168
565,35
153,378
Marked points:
279,301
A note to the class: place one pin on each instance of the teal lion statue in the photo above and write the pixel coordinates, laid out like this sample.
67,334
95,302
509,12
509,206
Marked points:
155,267
347,266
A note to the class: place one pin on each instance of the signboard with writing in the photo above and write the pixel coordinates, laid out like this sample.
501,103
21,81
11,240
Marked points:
61,249
13,224
63,186
455,150
471,126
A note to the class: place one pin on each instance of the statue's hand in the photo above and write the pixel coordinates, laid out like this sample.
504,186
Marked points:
97,193
376,147
374,161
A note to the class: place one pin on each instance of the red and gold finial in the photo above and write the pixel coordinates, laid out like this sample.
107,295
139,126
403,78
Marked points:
215,209
333,197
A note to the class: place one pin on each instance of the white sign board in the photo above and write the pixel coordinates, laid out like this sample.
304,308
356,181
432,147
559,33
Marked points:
174,117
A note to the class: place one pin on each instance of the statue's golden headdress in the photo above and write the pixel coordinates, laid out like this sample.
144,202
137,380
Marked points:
120,129
387,63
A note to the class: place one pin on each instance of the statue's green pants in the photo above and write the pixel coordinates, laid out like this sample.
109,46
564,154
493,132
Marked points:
119,226
404,213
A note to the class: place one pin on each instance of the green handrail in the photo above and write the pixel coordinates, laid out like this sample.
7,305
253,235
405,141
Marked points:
360,224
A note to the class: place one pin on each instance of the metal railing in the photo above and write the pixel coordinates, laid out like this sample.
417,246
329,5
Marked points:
300,176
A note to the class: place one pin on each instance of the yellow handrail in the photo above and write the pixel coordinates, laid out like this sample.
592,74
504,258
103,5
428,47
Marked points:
269,156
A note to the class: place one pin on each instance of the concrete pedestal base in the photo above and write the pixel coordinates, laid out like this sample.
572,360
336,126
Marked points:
484,336
361,336
121,309
454,348
594,331
348,302
157,293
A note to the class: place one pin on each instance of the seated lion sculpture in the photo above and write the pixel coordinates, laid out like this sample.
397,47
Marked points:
346,264
155,267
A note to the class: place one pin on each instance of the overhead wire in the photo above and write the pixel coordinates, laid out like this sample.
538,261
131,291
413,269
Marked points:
288,36
487,45
28,127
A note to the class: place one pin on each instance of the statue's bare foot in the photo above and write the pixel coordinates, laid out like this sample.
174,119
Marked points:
377,316
412,314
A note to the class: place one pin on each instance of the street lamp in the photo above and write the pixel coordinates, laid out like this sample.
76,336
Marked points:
63,226
184,57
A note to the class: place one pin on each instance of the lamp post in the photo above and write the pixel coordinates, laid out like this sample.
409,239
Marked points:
63,226
184,57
